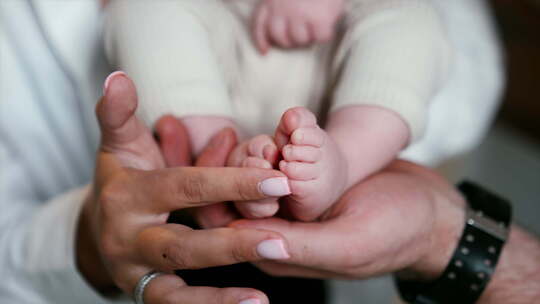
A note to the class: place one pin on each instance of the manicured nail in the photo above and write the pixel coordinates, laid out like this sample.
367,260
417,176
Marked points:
276,186
273,250
108,80
250,301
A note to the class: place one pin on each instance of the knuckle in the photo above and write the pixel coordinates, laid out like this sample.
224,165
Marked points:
111,196
176,257
218,296
238,254
192,188
242,192
109,248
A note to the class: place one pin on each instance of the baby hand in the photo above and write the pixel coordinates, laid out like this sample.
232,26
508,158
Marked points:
258,152
295,23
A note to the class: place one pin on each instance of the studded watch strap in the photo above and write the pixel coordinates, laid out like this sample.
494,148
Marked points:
475,257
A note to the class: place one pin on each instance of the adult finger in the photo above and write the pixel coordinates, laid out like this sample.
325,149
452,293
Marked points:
215,155
260,32
218,150
122,133
178,188
173,141
116,111
289,270
317,245
170,288
172,247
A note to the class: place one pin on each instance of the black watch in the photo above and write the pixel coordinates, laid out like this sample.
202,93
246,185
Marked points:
469,271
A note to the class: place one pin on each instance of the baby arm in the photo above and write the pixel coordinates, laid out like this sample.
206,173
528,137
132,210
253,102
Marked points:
295,23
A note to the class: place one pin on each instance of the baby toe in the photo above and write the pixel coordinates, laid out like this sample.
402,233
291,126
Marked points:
258,144
257,209
298,117
299,171
306,154
292,120
313,136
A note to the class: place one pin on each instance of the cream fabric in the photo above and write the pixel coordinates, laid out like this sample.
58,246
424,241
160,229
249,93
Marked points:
193,57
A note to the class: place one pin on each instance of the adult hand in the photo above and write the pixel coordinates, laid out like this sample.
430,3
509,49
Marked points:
405,218
123,233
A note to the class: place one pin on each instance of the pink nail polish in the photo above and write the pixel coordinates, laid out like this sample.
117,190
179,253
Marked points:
273,250
250,301
108,80
276,186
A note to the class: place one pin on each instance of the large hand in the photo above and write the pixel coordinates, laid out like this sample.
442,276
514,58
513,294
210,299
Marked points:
295,23
123,232
392,221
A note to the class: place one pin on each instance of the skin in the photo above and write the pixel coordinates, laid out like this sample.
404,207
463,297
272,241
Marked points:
293,24
322,163
384,239
122,231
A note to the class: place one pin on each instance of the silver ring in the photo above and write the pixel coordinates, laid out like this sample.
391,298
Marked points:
138,293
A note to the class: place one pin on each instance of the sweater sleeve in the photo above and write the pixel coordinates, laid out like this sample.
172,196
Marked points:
165,48
37,243
394,54
37,225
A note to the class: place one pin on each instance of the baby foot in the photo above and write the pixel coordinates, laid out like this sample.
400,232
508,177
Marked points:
258,152
313,163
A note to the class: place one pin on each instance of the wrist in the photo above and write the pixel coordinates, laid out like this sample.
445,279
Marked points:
448,225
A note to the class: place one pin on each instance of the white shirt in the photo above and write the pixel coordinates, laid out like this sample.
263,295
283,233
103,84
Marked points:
51,71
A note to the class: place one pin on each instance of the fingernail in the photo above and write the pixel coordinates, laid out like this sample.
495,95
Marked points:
250,301
276,186
273,250
108,80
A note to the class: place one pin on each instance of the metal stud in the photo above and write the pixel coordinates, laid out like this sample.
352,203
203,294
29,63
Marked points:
451,275
487,262
481,275
465,250
470,238
474,287
492,249
458,263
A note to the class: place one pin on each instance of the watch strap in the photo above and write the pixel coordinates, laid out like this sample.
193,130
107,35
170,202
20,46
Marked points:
475,257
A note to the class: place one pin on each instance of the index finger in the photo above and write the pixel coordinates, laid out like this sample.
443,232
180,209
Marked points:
178,188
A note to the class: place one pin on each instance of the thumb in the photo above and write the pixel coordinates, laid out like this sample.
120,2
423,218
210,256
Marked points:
116,111
122,133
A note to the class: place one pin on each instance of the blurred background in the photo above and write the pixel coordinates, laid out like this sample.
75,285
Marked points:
508,161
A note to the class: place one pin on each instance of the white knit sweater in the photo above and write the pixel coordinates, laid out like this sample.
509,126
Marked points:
51,71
